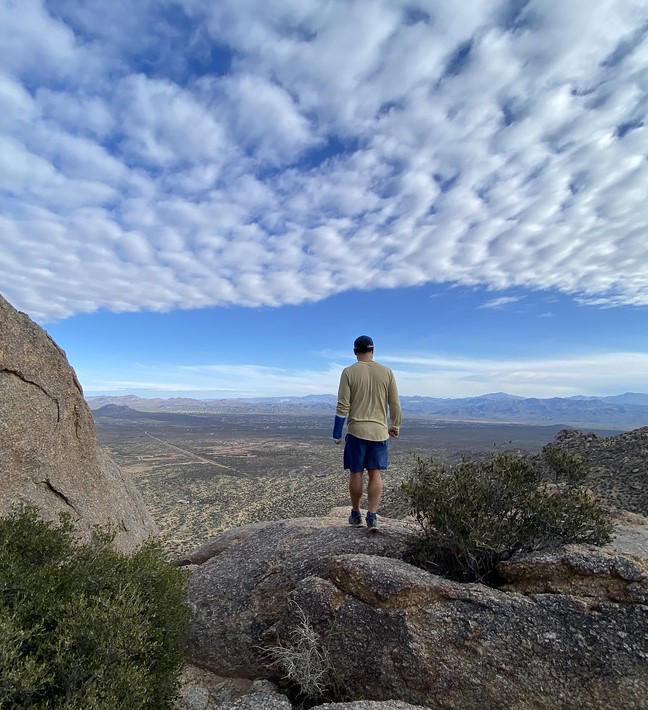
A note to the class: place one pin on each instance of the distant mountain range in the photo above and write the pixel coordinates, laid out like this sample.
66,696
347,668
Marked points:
624,411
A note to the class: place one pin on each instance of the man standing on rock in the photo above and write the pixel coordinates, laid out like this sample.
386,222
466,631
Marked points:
367,390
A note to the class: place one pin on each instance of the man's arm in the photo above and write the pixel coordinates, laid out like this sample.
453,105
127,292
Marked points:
395,412
337,428
342,409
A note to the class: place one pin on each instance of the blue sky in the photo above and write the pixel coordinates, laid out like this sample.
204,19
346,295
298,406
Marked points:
215,199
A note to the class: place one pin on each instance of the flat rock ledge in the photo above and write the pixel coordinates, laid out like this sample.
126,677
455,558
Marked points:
568,630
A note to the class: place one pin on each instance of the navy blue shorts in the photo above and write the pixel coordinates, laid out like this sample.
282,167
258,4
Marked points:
360,454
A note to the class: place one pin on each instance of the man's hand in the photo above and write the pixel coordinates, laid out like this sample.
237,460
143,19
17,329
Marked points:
393,432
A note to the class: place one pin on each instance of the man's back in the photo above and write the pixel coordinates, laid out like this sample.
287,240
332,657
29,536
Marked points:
367,390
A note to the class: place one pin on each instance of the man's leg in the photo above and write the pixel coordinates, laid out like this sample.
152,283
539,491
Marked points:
355,489
374,489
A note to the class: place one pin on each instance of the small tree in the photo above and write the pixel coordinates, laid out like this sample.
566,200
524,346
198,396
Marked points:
82,626
476,514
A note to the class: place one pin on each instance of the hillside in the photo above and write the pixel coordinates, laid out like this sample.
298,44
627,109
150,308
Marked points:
619,465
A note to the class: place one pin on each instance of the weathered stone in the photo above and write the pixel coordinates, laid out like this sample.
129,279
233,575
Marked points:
219,544
630,534
203,690
49,455
598,575
385,584
469,646
263,700
390,630
371,705
617,572
237,595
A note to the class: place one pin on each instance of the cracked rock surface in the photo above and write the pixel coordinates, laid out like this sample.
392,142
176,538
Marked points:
569,630
49,454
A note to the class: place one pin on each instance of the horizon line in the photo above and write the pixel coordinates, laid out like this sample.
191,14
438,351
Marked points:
331,394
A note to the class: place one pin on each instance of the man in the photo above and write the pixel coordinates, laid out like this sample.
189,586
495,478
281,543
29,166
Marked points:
367,390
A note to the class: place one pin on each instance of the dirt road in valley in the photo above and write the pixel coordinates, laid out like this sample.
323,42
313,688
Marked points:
190,454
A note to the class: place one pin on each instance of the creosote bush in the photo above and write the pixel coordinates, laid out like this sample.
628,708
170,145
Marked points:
476,514
83,626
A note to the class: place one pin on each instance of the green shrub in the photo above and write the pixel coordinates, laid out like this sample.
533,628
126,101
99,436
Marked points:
476,514
82,626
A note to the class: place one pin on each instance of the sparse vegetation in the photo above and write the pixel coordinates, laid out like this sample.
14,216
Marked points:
272,477
82,626
306,665
475,514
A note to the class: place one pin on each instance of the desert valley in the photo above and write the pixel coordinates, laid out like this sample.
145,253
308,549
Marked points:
202,473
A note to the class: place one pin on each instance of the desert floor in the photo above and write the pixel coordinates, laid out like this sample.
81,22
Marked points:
201,474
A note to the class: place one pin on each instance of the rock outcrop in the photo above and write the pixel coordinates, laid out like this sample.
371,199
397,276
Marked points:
241,583
619,465
202,690
49,454
569,629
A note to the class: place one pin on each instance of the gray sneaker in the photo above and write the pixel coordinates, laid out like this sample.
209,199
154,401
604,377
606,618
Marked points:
355,518
372,523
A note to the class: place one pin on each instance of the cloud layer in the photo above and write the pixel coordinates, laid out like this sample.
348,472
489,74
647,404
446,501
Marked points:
163,155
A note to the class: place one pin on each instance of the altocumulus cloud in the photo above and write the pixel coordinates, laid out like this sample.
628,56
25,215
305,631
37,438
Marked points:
186,154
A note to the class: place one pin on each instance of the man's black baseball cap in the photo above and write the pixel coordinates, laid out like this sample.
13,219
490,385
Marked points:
363,344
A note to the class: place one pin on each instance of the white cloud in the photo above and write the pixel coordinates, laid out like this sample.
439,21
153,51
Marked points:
18,106
337,145
32,42
497,303
548,377
164,125
77,113
266,121
235,380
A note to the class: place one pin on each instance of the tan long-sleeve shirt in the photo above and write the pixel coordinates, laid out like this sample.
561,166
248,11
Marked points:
367,391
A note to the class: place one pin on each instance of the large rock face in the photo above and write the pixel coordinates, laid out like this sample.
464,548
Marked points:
49,455
242,586
570,630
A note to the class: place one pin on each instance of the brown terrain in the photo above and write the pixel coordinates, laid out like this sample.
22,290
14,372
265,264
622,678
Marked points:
619,465
200,474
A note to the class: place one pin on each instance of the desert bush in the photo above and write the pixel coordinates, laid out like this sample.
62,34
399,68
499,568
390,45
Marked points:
310,676
82,626
476,514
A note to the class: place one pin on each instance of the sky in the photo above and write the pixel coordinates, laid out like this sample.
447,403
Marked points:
213,199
